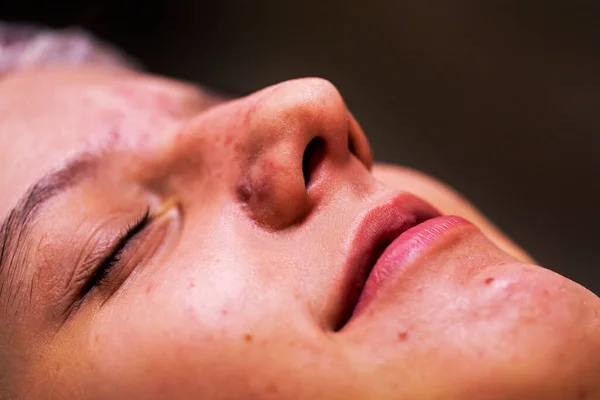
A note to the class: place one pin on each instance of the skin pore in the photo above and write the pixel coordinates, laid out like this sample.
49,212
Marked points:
231,268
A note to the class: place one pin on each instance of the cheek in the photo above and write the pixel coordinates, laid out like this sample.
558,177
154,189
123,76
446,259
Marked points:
507,311
511,331
530,300
186,338
158,336
521,328
162,343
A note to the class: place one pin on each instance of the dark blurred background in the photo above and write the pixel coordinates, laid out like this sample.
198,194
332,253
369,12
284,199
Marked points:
498,98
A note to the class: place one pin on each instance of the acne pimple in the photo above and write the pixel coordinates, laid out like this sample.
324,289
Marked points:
403,336
149,288
270,167
243,190
113,137
228,140
253,189
489,281
248,337
192,285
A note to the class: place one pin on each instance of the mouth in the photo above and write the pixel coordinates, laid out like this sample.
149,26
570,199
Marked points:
375,234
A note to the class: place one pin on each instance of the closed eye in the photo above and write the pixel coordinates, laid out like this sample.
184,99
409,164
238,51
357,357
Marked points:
113,255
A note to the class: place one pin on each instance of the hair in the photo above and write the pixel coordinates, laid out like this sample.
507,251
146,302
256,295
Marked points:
27,46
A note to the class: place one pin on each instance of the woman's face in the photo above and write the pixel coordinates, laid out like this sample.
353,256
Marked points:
159,245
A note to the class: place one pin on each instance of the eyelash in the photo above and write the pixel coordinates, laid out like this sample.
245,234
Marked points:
115,253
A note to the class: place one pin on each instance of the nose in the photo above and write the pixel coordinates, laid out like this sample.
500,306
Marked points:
298,135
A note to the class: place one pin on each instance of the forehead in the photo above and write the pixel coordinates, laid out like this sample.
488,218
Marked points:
47,116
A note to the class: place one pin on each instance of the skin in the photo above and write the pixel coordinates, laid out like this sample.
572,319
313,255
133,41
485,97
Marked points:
233,291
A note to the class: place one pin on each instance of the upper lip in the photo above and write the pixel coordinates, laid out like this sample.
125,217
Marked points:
373,234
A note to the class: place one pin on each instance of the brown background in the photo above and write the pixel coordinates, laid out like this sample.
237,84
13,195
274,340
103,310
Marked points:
498,98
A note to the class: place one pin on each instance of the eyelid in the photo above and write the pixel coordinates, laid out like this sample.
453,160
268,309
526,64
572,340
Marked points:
113,256
141,251
102,249
151,241
99,246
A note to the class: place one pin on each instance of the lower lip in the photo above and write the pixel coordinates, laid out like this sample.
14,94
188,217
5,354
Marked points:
407,247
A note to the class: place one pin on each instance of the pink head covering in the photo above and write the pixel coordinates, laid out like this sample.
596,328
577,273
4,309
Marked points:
23,46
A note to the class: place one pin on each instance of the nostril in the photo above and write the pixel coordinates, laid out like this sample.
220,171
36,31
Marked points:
351,144
313,155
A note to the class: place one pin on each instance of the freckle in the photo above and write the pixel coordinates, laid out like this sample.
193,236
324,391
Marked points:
57,367
403,336
149,288
248,337
489,281
272,388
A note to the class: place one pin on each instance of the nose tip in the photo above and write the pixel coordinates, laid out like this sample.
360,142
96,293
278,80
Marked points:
314,108
294,129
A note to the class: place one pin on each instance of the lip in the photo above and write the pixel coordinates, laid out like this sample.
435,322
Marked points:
373,237
402,251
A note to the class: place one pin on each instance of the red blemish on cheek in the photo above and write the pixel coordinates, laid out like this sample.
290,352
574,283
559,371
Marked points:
149,288
248,338
114,135
489,281
403,336
110,139
272,388
270,167
228,140
224,312
192,285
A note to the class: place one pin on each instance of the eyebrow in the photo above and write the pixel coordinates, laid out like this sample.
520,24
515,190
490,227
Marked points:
16,227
